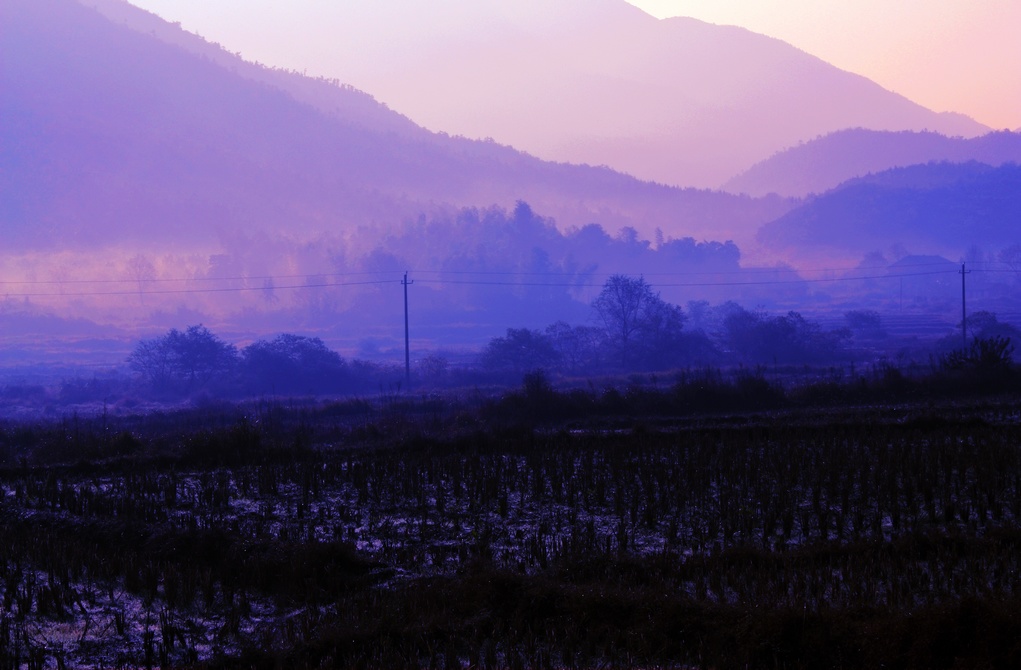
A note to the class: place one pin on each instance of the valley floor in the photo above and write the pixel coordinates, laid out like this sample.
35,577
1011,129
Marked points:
453,535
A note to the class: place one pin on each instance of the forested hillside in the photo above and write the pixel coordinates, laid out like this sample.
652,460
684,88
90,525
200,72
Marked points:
824,163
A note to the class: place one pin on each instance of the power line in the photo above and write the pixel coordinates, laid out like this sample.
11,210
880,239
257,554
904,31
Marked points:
763,282
741,271
577,284
516,273
316,275
221,289
813,281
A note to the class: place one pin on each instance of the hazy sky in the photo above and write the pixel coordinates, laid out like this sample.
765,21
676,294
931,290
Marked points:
948,55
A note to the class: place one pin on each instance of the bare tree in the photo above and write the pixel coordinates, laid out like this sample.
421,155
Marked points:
621,306
154,360
183,361
1011,257
635,317
141,269
576,346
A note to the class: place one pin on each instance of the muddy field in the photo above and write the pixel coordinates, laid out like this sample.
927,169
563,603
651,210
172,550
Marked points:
443,534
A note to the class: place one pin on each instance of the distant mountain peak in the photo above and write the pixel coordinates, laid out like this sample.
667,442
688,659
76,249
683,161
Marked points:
822,163
118,131
937,207
677,101
332,97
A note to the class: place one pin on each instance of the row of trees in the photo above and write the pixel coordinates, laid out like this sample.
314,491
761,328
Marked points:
638,331
633,330
185,361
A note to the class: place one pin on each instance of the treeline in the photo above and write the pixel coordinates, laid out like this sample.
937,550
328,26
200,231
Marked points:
983,369
917,206
653,336
498,266
631,330
183,362
636,332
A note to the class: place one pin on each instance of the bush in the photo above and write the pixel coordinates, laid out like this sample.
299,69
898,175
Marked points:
292,364
990,356
183,361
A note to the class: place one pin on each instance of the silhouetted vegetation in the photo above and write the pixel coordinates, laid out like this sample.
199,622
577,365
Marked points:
183,361
638,331
722,344
718,520
824,163
918,205
294,365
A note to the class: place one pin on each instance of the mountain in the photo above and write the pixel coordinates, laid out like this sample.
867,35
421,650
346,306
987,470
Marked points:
329,96
934,208
677,100
115,136
825,162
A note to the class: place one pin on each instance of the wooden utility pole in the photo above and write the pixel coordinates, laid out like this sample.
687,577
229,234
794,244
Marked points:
964,311
407,340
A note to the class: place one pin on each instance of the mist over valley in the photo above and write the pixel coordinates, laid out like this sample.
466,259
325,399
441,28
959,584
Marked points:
676,101
153,180
522,334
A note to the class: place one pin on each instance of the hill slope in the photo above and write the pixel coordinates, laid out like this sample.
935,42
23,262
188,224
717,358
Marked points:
114,136
677,100
823,163
933,208
328,96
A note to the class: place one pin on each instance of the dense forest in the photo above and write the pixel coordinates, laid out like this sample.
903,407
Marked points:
927,207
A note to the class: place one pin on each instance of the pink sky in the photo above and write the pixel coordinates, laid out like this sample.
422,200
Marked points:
948,55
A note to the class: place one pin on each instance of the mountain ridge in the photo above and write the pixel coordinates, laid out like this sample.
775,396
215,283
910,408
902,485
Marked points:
825,162
116,136
677,101
328,96
943,208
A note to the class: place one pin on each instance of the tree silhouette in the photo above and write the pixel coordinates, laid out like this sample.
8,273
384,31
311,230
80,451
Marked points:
294,364
787,339
183,361
638,322
520,350
141,269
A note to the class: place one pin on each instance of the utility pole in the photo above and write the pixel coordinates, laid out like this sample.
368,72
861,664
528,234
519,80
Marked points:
407,340
964,311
